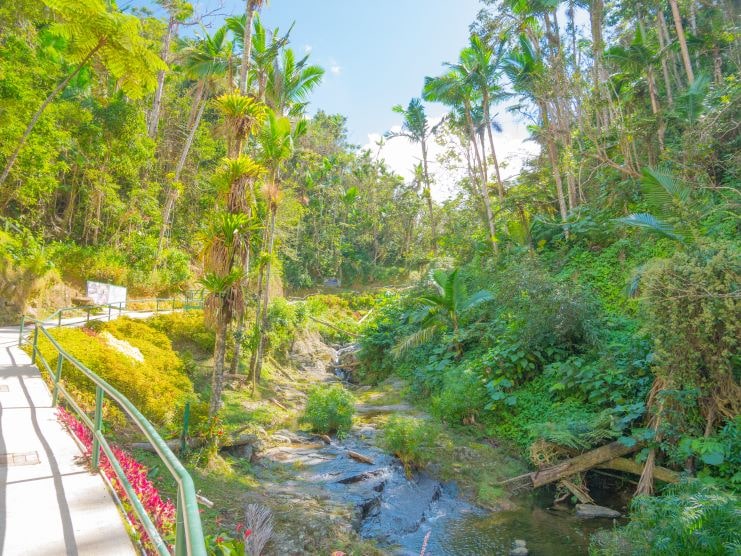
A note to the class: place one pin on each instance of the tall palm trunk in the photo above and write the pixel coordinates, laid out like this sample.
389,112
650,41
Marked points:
154,117
664,66
266,300
682,41
217,379
428,195
247,45
29,128
664,30
487,117
553,157
173,189
483,185
258,313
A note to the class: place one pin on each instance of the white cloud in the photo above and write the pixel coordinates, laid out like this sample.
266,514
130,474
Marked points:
334,67
308,48
401,155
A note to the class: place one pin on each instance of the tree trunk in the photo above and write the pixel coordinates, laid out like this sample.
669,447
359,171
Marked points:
29,128
217,379
664,67
173,190
553,156
682,41
428,194
484,189
154,117
247,46
664,30
487,117
266,300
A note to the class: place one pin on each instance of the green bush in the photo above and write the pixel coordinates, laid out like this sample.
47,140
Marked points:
694,518
410,439
461,398
185,329
329,409
158,386
284,319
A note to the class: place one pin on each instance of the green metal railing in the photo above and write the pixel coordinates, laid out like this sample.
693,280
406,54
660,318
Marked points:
188,530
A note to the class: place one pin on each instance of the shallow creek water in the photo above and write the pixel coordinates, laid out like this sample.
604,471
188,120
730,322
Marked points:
398,512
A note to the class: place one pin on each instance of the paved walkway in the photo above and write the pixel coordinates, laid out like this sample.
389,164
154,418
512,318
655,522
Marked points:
50,504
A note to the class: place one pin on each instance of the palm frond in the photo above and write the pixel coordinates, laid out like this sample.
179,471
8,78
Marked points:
421,336
476,299
651,223
662,190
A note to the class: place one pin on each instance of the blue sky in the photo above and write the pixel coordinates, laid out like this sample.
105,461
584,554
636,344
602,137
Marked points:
376,54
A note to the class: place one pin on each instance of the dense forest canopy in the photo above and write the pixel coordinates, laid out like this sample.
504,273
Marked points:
591,297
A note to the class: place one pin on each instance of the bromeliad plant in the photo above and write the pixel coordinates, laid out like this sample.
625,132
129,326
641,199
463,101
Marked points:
442,310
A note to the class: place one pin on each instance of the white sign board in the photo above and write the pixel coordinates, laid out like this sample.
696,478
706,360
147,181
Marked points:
104,294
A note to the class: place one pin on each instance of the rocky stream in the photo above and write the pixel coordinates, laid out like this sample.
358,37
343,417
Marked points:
362,490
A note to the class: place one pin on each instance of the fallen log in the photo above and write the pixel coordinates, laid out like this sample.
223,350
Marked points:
359,457
580,463
629,466
577,490
572,466
276,402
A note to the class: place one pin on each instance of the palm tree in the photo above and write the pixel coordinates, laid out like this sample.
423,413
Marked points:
455,89
178,11
485,72
276,140
96,33
416,129
442,310
224,245
290,82
251,8
242,116
207,61
526,70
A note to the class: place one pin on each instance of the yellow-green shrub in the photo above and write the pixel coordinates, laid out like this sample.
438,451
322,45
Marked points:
185,329
158,387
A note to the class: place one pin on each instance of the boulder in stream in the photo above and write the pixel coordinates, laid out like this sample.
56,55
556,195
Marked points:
590,511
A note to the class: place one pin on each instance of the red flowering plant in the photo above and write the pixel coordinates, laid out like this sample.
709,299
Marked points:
225,545
161,512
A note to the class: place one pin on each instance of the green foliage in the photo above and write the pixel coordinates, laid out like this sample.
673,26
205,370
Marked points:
25,269
693,315
410,439
329,409
284,320
693,518
186,329
461,398
442,310
136,267
158,386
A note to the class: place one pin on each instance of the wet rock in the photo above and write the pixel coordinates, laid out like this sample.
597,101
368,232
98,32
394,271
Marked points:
519,548
311,354
589,511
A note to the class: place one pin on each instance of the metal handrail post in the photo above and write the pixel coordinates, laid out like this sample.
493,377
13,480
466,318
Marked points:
98,422
35,343
57,378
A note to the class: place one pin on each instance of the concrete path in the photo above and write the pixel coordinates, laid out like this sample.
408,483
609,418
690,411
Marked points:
50,504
